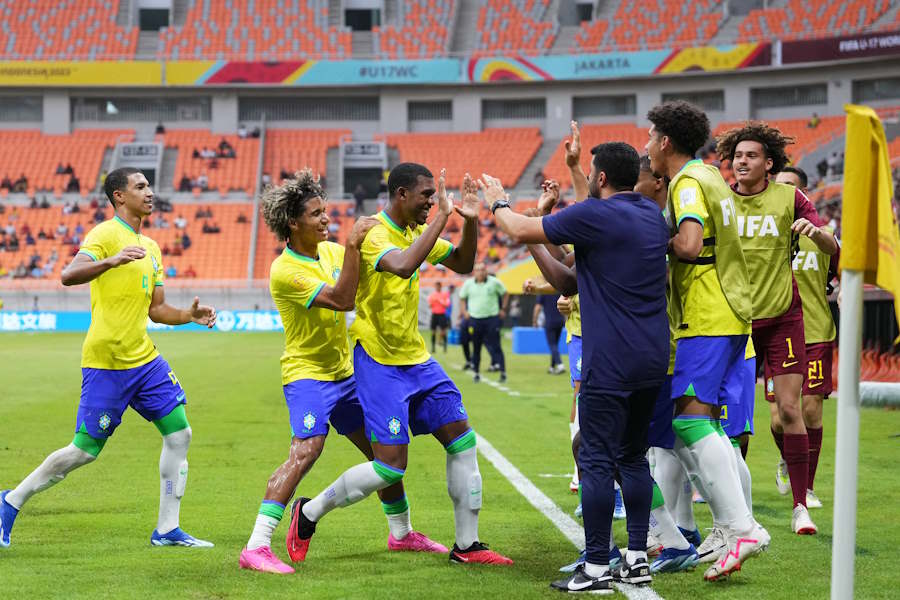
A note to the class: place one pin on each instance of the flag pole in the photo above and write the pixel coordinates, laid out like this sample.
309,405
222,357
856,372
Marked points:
846,464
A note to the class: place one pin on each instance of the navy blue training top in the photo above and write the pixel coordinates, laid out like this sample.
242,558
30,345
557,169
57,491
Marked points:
620,258
552,316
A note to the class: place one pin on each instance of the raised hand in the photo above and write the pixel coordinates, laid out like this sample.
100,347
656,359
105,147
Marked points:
470,201
573,147
564,305
445,204
127,255
359,231
492,188
549,197
528,286
203,315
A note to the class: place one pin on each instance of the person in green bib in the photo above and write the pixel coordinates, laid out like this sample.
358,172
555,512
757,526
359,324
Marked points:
814,271
711,314
770,216
484,302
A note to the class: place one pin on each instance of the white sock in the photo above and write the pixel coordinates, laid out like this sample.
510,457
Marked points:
573,430
464,487
708,463
595,571
50,472
173,469
684,507
353,485
632,556
663,528
400,525
262,532
746,480
671,478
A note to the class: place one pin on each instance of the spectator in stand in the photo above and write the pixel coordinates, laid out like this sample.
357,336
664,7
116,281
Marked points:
256,132
242,131
242,218
21,271
832,165
21,184
359,195
189,272
186,241
2,241
177,249
266,180
12,244
814,121
3,273
166,251
29,239
210,227
62,230
285,174
207,153
180,222
196,153
160,129
226,150
99,215
94,204
203,182
171,272
74,185
185,184
60,169
79,229
42,235
539,178
6,183
44,202
10,229
68,170
32,204
102,178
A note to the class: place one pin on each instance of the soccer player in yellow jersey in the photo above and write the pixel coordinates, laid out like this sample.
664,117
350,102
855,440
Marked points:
711,313
120,366
770,215
814,271
313,283
400,386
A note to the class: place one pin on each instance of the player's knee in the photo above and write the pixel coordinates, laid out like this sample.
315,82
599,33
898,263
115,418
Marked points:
305,452
462,442
88,447
178,440
389,473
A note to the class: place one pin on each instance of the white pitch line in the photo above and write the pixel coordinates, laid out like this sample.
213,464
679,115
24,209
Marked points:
538,499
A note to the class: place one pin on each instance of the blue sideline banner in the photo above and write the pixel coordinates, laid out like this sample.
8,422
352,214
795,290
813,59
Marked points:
249,320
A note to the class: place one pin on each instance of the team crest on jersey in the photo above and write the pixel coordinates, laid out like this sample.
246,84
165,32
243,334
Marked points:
104,422
309,421
770,386
335,273
394,426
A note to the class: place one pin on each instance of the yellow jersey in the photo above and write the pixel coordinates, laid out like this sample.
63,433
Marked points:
315,339
705,306
573,321
120,299
387,306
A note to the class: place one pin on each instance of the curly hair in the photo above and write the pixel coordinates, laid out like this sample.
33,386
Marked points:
685,125
772,140
287,201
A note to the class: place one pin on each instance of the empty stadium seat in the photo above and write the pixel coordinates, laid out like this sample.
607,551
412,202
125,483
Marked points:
521,26
806,19
262,30
237,173
421,30
591,135
295,149
503,153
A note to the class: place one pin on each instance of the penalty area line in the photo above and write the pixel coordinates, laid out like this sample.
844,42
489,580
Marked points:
538,499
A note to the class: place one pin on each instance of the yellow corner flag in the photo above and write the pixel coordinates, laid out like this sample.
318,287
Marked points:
869,235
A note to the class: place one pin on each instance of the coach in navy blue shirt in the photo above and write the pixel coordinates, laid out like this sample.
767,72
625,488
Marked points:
620,240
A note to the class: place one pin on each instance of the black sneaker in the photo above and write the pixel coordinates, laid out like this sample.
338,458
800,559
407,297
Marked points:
476,377
478,553
637,573
502,377
467,366
579,582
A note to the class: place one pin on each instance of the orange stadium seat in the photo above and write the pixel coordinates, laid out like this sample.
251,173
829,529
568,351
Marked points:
591,135
515,25
65,30
806,19
503,153
36,155
653,24
237,173
421,30
262,30
295,149
213,256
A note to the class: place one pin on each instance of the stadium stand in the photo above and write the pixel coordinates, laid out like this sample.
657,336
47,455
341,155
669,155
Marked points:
256,31
36,156
805,19
421,30
653,24
221,255
591,135
224,174
515,25
503,153
64,30
293,149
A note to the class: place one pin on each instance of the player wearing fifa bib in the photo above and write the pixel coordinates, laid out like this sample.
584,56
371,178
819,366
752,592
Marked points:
711,311
120,366
313,283
769,215
400,387
813,271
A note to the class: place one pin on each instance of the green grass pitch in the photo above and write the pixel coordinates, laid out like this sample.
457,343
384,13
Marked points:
89,536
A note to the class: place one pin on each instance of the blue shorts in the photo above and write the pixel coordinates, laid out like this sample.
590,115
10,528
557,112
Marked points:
311,404
396,399
737,414
574,348
705,367
152,390
661,434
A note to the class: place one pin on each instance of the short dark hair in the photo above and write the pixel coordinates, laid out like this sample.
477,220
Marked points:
774,142
117,181
620,162
800,173
406,175
685,125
